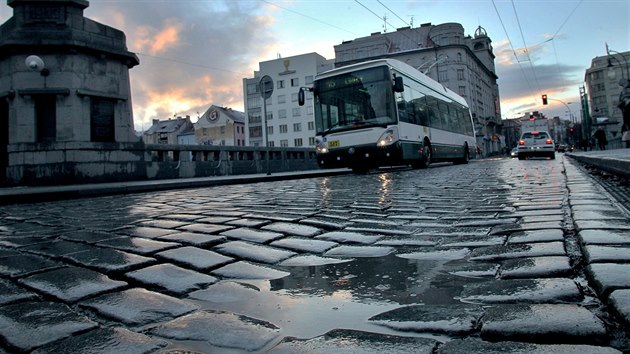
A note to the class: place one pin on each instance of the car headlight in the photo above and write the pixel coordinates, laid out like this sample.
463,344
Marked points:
389,137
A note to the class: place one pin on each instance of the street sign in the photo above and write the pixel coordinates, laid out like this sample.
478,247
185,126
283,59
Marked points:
266,86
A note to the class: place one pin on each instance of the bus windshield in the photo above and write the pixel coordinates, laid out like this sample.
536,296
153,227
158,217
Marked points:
354,100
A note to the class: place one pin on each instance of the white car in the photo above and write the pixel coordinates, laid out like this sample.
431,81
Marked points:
536,144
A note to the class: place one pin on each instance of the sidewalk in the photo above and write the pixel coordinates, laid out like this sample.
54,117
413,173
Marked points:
14,195
613,161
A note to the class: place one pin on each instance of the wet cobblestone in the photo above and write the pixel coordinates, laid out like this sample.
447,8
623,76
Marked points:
525,256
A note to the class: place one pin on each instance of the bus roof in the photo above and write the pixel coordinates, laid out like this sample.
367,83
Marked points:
401,67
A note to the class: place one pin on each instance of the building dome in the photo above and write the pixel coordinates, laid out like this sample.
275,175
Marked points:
480,32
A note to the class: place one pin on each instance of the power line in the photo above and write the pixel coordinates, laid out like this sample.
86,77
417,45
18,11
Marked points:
191,64
525,45
375,14
395,14
309,17
512,46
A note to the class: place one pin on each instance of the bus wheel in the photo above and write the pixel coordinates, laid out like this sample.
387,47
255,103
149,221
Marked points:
424,163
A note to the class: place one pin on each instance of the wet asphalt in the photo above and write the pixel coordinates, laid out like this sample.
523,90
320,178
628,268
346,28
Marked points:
497,255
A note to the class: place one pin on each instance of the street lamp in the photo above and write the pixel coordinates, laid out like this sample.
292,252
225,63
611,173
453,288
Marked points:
611,67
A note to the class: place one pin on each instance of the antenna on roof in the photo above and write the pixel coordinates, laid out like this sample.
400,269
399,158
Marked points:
385,23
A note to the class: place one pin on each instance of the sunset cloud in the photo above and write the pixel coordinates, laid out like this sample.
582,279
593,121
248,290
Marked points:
157,41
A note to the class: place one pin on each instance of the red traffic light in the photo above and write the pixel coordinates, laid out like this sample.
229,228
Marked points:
544,99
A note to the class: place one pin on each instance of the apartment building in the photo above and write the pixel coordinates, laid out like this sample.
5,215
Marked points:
288,124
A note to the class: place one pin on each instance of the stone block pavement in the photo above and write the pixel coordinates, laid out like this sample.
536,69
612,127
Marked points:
602,229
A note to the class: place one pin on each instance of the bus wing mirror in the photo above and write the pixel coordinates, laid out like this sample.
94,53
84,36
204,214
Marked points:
398,84
301,97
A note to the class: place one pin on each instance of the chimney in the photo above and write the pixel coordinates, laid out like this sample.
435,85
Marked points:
156,121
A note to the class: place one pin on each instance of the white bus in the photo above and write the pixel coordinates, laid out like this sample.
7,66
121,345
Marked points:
386,113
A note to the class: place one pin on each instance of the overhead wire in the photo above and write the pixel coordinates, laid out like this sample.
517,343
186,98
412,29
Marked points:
512,47
518,22
395,14
307,16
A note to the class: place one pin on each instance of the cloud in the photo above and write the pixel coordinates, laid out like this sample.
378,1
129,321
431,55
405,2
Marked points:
523,78
193,54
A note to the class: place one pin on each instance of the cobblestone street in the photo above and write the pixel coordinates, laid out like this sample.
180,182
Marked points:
497,255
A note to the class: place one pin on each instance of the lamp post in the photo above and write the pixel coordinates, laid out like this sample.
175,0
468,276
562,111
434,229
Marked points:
611,70
566,104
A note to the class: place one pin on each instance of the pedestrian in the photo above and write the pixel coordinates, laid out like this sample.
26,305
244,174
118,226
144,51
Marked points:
600,135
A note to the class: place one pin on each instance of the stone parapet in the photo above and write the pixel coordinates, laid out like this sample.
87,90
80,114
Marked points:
85,162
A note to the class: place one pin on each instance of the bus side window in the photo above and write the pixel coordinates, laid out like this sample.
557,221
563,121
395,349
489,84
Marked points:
402,107
423,115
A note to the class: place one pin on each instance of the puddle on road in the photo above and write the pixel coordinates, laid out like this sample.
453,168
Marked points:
316,299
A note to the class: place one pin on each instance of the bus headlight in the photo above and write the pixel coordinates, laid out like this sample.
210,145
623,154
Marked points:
389,137
320,147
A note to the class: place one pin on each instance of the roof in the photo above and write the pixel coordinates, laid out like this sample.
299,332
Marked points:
166,126
236,116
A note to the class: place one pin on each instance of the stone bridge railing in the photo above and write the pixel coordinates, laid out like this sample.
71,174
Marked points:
80,162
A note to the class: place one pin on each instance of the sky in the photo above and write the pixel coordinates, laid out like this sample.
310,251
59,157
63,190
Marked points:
195,53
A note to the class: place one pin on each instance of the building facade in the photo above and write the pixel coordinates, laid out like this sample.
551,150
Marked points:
605,81
443,52
167,131
65,101
288,124
221,126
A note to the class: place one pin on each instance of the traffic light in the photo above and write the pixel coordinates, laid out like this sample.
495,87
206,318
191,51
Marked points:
544,98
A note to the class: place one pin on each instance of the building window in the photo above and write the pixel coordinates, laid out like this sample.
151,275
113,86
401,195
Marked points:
442,75
295,82
222,130
270,130
297,127
255,102
311,141
282,113
282,99
462,91
294,97
252,88
271,143
460,74
283,128
102,124
296,111
308,80
46,116
309,110
298,142
284,143
255,132
311,125
280,84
